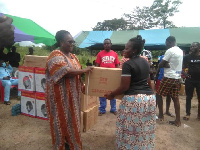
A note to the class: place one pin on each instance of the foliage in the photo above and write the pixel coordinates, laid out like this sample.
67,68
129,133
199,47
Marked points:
140,18
161,10
157,15
111,25
156,53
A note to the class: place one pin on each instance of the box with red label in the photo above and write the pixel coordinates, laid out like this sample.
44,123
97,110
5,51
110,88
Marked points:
102,80
88,101
40,80
28,104
41,106
26,79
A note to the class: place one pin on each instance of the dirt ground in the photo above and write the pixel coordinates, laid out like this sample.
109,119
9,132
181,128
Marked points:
26,133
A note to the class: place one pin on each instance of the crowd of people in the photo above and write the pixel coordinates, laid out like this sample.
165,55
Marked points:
9,64
136,116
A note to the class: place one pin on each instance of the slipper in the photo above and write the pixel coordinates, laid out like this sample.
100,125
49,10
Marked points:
186,117
7,102
170,114
161,118
115,113
101,113
173,123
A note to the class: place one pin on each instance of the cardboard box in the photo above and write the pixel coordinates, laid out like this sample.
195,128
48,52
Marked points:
28,104
26,79
40,106
35,61
88,101
40,80
88,119
102,80
81,121
96,113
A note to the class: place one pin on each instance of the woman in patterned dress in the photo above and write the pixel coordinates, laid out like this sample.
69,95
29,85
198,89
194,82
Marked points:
63,93
135,127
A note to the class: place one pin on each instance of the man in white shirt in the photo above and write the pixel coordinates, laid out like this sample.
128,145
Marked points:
172,62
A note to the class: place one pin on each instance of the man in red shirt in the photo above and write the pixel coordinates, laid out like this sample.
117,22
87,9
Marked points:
109,59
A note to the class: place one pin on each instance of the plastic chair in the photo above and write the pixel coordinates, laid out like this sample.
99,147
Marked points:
2,89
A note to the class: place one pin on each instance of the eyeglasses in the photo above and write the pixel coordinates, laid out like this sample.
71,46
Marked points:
71,42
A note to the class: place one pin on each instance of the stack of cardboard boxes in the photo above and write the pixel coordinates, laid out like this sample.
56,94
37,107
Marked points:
32,86
89,109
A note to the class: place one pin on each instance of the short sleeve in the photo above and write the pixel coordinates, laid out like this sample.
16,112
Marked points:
167,55
126,69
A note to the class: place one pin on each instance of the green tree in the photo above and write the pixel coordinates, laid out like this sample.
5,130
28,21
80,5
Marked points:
157,15
140,18
161,10
111,25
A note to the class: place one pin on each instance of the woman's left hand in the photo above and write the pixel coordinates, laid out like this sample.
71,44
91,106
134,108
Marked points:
109,96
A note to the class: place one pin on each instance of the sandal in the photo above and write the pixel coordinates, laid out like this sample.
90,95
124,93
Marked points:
169,114
101,113
7,102
161,118
173,123
115,113
187,117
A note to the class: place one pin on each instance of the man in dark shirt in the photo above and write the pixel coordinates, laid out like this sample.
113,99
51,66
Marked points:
192,63
3,56
14,59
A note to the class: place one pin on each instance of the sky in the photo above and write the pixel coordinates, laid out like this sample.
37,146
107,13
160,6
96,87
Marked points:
82,15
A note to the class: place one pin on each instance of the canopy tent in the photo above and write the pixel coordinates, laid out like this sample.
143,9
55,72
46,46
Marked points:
28,30
155,38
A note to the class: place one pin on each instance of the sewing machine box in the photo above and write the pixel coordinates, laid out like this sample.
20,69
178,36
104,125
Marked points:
35,61
90,118
88,101
40,80
26,79
102,80
81,121
40,106
28,107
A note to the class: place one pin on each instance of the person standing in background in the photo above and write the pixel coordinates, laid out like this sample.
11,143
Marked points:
158,78
192,62
30,50
170,83
14,59
3,56
109,59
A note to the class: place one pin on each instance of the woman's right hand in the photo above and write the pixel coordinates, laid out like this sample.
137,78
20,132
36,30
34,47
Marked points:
88,69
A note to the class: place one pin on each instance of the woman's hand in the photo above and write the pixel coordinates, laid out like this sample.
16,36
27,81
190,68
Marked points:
88,69
109,96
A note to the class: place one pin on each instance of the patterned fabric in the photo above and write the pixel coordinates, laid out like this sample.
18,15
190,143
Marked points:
63,100
168,85
136,122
